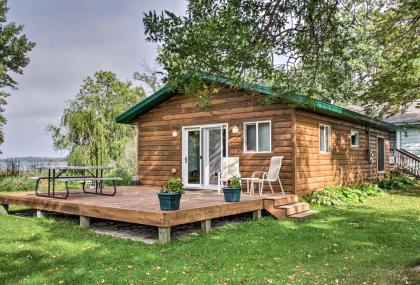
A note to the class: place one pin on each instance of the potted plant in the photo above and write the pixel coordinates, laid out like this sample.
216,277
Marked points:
232,191
170,194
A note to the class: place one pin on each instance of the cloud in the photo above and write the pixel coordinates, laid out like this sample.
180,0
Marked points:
73,40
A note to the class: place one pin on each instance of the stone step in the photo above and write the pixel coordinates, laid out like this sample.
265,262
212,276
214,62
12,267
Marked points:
303,215
294,208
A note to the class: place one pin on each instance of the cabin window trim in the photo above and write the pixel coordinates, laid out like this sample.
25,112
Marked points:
326,134
256,123
377,154
354,132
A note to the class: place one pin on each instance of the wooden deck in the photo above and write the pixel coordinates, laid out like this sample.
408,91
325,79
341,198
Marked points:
140,205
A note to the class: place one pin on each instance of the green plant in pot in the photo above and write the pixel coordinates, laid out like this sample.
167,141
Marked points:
232,191
170,194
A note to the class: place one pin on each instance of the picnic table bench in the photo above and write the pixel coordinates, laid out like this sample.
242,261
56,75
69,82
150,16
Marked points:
95,175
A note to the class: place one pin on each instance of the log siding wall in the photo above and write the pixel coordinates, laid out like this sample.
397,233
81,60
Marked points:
159,152
345,164
294,134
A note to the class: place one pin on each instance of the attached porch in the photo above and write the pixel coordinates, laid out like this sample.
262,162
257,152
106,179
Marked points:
140,205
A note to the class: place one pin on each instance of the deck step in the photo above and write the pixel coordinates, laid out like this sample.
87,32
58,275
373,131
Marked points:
294,208
284,200
302,215
276,212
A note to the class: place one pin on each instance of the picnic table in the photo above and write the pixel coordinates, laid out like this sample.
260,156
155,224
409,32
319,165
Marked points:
92,174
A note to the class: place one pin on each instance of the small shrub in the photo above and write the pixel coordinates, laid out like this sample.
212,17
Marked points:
15,184
339,195
174,185
396,181
351,195
124,174
371,189
326,197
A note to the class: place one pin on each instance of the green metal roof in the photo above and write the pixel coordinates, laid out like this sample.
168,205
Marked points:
302,102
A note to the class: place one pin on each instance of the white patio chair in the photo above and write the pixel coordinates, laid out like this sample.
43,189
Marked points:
230,168
272,175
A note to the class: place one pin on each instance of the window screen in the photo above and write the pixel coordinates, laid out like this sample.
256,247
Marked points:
324,138
257,137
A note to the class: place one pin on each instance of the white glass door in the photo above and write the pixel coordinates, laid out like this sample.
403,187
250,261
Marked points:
212,158
203,150
193,158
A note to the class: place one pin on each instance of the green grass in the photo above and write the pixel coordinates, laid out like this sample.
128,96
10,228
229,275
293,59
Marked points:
375,242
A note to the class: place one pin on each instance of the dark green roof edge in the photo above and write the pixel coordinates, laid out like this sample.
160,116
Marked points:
315,105
144,105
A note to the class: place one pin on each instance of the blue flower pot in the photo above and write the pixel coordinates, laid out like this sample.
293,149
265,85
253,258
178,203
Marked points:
169,201
232,194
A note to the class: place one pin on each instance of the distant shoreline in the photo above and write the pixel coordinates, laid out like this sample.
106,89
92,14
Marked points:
33,159
30,163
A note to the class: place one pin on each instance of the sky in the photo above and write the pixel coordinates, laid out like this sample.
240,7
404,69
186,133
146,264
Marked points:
73,40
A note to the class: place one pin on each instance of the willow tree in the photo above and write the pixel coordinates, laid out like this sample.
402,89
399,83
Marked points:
88,130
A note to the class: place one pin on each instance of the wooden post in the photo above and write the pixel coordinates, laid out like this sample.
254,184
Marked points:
206,226
256,215
4,209
164,234
84,222
40,214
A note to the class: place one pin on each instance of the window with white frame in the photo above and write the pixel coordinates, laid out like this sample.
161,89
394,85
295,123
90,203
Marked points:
324,139
354,138
257,136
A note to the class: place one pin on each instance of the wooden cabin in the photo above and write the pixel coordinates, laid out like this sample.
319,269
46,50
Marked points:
322,144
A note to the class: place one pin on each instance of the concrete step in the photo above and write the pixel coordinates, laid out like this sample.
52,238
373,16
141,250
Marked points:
303,215
294,208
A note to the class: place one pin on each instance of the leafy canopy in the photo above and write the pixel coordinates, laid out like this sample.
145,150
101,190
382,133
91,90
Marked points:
364,52
14,47
88,129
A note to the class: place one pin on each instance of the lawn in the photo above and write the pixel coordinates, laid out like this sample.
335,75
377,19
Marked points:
372,243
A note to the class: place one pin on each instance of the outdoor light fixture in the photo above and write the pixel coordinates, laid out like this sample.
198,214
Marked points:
173,170
174,133
235,129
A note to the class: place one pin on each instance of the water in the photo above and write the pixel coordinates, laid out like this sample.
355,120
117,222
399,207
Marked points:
28,164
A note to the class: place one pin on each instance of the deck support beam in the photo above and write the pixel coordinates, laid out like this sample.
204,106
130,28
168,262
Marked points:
206,226
84,222
256,215
4,209
40,214
164,234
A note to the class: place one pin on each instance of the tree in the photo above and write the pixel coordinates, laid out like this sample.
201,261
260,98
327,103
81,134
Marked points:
351,51
88,129
149,77
14,47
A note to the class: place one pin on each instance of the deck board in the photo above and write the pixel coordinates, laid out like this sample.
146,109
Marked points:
139,204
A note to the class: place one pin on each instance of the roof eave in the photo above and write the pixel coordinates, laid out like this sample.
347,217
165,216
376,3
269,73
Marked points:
143,106
314,104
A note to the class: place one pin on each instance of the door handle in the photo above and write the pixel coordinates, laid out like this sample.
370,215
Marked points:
186,159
